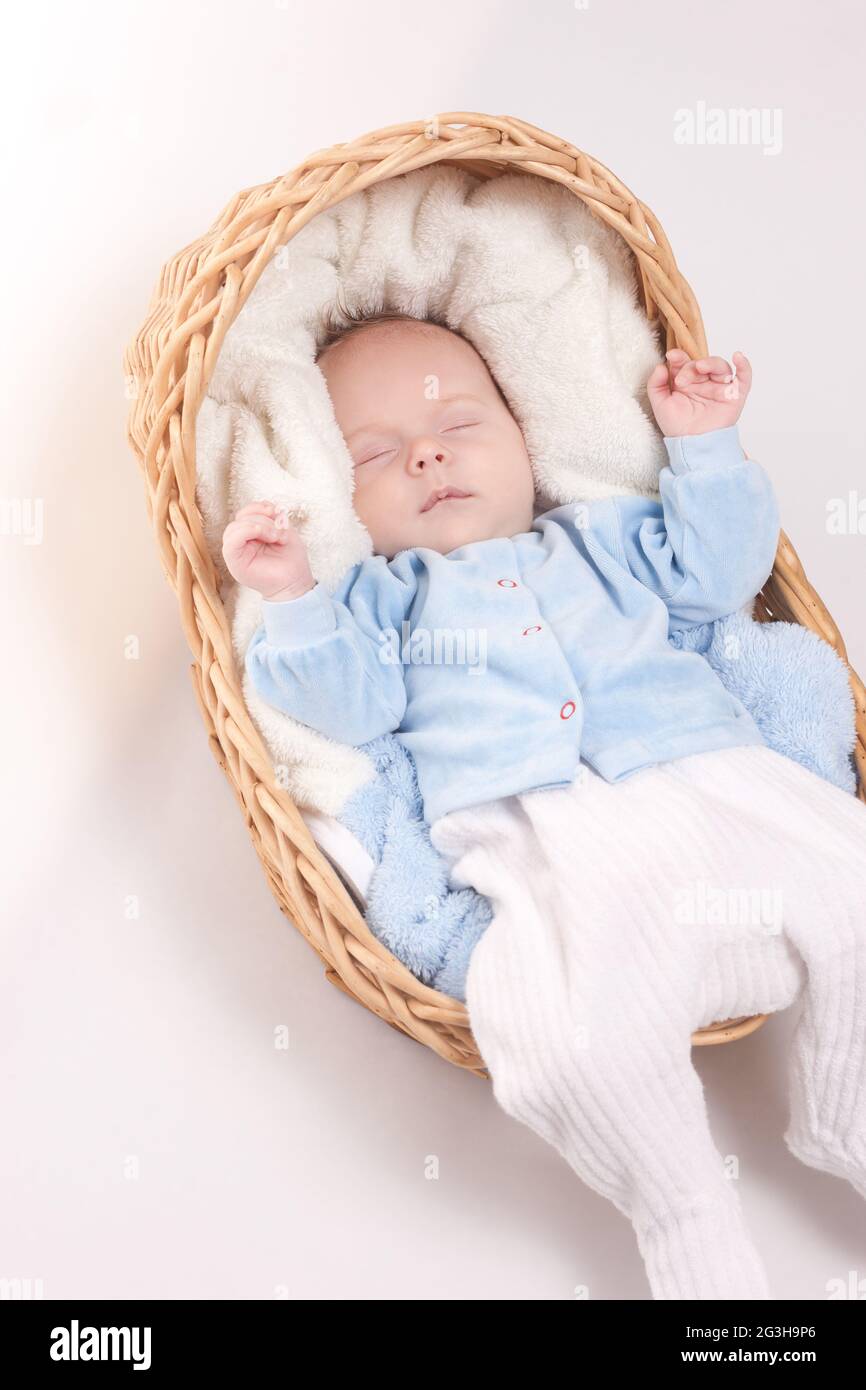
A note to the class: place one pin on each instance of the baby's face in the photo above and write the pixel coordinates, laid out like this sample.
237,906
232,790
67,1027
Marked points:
420,413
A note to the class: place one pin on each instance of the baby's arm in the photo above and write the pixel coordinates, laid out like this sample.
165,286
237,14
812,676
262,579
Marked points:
324,661
709,545
319,659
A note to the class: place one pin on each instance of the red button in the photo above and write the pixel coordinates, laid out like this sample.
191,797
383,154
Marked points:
507,583
567,709
530,629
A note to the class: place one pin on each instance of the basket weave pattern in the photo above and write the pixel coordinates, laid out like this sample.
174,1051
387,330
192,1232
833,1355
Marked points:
167,368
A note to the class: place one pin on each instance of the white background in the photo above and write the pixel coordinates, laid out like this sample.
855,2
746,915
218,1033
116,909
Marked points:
126,129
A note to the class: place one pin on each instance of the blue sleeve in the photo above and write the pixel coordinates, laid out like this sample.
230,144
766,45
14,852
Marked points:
709,545
329,663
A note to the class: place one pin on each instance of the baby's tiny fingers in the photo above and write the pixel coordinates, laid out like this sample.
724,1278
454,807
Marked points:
715,367
268,530
252,528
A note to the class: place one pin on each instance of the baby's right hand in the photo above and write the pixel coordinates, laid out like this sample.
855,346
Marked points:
264,552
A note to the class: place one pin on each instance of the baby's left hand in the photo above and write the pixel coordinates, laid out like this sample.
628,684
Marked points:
694,397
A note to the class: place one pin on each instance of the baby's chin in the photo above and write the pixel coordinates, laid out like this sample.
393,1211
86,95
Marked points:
448,533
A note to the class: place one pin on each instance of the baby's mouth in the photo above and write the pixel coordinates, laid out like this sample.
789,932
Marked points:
442,494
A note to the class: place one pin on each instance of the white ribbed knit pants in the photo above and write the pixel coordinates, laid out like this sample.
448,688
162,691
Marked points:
628,915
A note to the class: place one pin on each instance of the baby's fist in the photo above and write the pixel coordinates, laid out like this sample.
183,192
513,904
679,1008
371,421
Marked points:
694,397
264,552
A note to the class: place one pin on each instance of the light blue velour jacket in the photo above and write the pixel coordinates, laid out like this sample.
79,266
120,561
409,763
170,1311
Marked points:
501,663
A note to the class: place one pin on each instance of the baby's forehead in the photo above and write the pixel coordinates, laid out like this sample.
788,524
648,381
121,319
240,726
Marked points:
416,335
377,368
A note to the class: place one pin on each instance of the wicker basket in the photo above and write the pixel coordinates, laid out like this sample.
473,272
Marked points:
168,367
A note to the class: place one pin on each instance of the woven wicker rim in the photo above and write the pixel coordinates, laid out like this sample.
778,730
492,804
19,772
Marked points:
168,366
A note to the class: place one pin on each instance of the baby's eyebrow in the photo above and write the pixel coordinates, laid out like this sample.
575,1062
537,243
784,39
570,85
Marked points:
380,426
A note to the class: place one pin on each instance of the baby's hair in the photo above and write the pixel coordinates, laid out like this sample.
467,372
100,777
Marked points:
340,322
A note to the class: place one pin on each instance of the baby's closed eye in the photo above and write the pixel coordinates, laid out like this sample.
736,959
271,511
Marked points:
370,458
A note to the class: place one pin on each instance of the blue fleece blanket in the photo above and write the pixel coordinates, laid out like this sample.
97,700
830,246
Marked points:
793,684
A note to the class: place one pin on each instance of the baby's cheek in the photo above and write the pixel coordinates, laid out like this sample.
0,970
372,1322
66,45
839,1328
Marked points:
377,504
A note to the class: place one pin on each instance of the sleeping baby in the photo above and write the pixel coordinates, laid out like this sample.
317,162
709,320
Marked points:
614,801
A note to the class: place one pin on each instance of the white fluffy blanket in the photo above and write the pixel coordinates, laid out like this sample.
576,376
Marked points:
548,296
